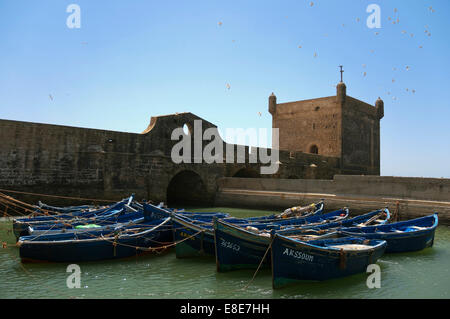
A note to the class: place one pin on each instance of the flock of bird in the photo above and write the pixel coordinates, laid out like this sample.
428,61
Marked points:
394,20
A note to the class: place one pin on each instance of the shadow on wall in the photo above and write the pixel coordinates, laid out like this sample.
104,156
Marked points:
247,173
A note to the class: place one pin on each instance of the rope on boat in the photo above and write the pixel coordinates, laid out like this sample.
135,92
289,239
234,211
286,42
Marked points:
58,196
259,266
342,259
151,249
7,203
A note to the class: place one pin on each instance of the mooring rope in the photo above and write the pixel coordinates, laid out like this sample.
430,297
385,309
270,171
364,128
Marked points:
259,266
57,196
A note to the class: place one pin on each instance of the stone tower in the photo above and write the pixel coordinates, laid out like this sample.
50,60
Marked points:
338,126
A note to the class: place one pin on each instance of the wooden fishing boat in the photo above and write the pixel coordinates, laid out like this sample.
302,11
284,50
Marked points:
111,217
288,214
196,238
96,245
404,236
66,209
294,260
152,212
20,225
237,247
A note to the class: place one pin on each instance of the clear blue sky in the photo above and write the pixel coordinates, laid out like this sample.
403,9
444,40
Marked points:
134,59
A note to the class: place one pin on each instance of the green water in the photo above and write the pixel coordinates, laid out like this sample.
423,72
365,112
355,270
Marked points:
424,274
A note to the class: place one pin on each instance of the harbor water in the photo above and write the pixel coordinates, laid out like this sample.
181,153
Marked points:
424,274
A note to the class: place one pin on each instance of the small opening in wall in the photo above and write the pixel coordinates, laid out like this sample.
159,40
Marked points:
314,149
317,108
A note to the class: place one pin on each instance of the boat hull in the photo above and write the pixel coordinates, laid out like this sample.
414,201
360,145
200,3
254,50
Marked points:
236,248
192,241
294,261
95,249
406,241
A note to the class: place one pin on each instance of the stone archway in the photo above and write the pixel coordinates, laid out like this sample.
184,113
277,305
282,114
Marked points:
187,188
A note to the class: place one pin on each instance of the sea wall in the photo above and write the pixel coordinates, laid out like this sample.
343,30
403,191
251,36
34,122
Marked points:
413,197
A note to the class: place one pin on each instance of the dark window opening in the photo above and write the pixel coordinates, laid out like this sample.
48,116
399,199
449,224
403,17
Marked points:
314,149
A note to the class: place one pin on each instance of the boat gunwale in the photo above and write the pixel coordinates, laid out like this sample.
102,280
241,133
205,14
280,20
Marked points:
303,244
414,233
99,238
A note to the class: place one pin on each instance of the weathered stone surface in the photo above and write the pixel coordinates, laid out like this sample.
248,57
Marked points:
338,126
415,196
100,164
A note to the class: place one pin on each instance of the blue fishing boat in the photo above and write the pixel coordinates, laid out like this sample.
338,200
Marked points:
294,260
112,216
20,225
196,238
120,218
67,209
404,236
152,212
96,245
239,247
288,214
